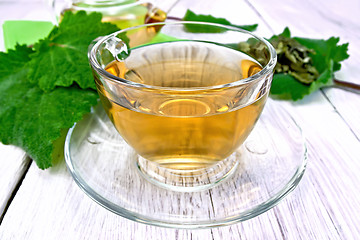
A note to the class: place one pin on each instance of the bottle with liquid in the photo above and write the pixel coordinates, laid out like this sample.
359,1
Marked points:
123,13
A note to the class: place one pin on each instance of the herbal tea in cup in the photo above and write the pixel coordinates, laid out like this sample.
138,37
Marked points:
183,96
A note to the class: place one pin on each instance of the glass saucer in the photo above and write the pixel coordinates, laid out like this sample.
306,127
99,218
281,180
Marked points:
270,165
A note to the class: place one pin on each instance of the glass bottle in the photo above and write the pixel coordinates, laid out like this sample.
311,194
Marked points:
123,13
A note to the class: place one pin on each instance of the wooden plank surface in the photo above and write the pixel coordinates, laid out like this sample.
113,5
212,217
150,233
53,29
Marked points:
49,205
325,205
13,161
14,164
323,19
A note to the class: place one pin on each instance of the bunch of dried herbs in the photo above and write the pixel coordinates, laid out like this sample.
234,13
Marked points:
304,65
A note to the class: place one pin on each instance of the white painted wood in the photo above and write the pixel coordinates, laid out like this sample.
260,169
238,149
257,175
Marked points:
322,207
325,205
323,19
237,12
13,164
13,161
49,205
347,105
333,148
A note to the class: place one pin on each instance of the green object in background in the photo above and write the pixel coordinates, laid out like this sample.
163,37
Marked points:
160,37
24,32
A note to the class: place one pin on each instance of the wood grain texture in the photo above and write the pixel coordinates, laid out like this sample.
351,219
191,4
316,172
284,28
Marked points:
324,19
14,163
325,205
58,209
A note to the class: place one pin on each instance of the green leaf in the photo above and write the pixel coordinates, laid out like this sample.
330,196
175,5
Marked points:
286,34
285,86
325,56
31,118
14,60
191,16
326,51
325,78
61,58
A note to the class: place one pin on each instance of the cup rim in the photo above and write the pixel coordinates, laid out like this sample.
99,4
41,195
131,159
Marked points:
269,67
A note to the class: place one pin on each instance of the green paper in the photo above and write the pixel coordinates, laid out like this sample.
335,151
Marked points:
24,32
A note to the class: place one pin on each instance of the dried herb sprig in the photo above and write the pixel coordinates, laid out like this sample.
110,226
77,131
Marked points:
304,65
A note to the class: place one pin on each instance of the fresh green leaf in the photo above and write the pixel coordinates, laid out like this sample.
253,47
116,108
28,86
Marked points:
61,58
325,51
14,60
191,16
31,118
45,90
286,34
304,65
285,86
325,78
325,56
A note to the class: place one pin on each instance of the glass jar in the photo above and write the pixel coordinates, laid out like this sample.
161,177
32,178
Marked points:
123,13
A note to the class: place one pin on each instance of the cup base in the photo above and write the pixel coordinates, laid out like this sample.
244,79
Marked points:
187,180
268,165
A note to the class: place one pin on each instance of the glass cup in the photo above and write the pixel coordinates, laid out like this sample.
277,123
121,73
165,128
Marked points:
184,96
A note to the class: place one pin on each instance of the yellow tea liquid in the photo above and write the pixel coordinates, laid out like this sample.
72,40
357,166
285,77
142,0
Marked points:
183,130
124,16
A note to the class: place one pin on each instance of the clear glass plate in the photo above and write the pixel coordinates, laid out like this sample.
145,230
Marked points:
270,165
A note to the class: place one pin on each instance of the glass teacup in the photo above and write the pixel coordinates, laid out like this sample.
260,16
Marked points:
183,95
